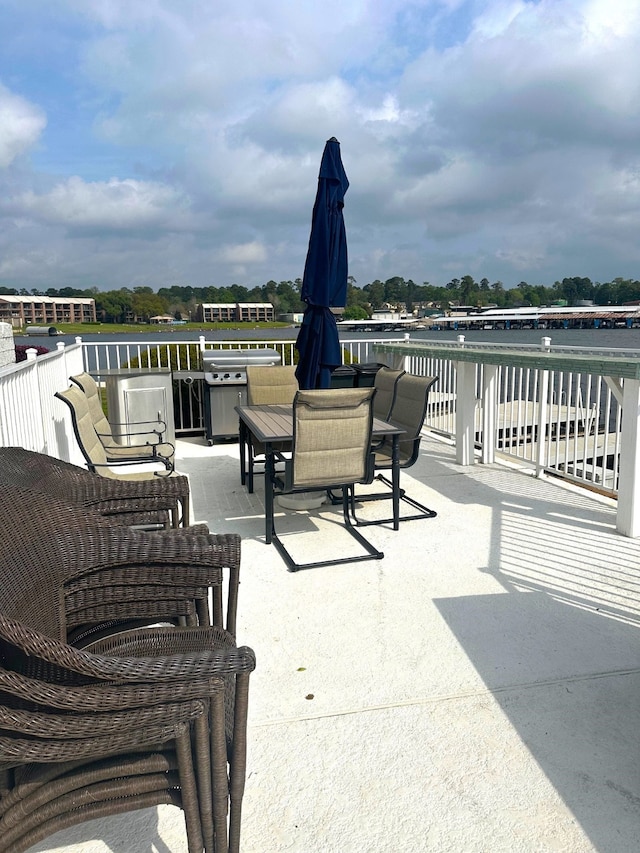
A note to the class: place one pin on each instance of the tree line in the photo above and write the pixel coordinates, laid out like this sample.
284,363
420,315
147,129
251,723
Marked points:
181,300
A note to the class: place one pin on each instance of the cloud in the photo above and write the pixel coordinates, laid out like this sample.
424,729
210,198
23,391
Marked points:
112,205
500,137
244,253
21,124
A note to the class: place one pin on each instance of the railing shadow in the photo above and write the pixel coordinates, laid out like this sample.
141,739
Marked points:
544,537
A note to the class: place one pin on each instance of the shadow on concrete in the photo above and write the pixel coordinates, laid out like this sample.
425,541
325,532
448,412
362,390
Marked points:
567,679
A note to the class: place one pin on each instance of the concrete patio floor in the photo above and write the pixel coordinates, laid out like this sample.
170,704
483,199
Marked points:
475,691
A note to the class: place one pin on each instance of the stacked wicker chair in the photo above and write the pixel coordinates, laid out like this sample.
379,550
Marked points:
99,718
149,501
148,718
110,575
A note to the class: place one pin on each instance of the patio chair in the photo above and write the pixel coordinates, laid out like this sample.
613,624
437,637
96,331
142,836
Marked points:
108,576
150,717
116,446
93,449
385,383
275,385
330,450
160,501
408,412
177,662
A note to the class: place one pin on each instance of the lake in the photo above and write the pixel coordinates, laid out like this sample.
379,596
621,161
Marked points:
591,338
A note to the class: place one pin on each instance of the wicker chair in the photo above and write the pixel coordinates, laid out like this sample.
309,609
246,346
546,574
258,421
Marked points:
266,386
150,501
408,412
155,716
331,450
40,672
154,447
108,575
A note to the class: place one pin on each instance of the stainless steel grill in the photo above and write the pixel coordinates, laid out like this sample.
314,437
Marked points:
225,376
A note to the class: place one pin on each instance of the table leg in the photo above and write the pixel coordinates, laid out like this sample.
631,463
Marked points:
242,441
395,480
269,472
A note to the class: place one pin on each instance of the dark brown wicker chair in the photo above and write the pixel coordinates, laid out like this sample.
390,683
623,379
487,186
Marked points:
87,734
141,502
149,436
107,575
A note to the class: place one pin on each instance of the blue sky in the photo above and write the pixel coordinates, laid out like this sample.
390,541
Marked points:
178,141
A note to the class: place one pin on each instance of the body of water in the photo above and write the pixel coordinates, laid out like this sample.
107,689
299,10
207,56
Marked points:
592,338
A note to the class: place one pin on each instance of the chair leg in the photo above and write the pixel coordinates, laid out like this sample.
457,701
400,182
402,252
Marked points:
423,511
372,553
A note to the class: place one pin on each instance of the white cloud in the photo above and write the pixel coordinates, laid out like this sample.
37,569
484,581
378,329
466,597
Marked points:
502,134
21,124
244,253
113,204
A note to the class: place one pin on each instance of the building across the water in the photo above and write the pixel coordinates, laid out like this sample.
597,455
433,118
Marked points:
551,317
21,311
235,312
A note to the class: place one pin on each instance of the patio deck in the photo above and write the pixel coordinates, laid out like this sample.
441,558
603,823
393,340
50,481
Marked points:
475,691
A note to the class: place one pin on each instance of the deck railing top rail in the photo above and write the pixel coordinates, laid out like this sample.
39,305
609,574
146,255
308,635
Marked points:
621,363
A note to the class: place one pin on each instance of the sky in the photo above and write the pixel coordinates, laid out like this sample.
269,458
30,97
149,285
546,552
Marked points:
162,142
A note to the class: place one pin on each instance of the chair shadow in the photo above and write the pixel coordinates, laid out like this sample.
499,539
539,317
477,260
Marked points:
131,832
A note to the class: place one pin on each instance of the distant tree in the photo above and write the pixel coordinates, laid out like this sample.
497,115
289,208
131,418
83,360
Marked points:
467,289
375,293
355,312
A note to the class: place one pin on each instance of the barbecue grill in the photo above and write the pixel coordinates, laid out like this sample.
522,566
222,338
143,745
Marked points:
225,377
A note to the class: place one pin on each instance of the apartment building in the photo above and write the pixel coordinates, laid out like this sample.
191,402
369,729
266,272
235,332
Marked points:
240,312
46,310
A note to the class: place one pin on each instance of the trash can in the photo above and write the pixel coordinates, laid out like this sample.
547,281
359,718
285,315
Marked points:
343,377
366,374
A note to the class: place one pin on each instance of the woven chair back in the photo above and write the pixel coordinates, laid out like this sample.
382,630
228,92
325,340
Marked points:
332,437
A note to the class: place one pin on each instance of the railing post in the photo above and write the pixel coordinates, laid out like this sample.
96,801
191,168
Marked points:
628,516
543,408
489,413
465,409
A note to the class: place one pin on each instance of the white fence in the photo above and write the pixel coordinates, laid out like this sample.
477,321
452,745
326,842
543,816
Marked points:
565,411
567,420
30,415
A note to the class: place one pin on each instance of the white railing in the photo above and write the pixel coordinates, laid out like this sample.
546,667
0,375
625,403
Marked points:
185,355
567,419
566,411
30,415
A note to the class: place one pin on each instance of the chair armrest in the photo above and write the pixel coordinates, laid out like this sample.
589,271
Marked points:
193,653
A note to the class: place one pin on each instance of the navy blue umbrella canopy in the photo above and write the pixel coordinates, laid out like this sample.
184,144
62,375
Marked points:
324,284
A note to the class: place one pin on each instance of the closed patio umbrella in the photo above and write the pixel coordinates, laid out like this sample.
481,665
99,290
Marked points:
324,284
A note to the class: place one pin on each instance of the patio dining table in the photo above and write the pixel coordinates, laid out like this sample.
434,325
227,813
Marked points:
273,424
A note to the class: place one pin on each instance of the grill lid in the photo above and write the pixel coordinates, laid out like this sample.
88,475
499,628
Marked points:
229,359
